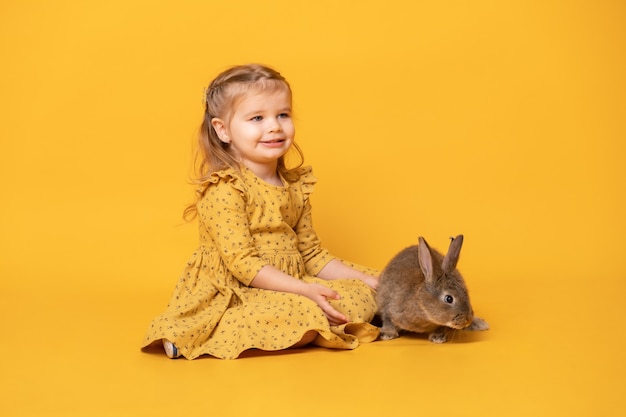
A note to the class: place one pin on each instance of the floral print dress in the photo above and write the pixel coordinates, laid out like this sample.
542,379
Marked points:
245,224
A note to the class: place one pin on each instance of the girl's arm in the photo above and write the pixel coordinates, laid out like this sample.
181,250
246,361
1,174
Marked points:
335,269
271,278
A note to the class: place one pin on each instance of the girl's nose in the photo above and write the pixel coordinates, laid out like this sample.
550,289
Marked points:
274,125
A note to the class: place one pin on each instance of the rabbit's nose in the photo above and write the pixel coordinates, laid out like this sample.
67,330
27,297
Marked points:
461,321
465,320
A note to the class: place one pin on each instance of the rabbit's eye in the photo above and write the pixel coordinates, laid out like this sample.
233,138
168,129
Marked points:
448,299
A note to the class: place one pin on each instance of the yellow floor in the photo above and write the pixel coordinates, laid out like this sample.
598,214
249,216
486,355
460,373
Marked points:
545,355
501,120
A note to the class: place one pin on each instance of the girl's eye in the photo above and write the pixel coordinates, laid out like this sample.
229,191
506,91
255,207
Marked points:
257,118
448,299
283,116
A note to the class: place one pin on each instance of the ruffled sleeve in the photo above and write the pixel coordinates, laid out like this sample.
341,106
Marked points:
307,180
228,175
315,257
223,215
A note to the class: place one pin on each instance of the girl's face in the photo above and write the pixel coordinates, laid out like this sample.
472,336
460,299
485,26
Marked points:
260,129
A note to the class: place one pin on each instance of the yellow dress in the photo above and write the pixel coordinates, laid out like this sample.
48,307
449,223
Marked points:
245,224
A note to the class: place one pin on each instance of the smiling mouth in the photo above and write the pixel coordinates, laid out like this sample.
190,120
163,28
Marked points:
274,142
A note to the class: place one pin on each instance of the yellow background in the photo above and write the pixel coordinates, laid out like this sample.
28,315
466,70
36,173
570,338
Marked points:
504,121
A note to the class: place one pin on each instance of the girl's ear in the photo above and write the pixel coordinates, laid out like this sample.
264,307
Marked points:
220,128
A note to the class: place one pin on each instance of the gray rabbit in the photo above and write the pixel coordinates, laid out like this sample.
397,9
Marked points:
421,291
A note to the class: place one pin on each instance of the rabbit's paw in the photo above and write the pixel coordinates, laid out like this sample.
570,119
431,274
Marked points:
388,334
478,324
438,336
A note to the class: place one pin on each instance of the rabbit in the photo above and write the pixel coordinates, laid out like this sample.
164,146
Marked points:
421,291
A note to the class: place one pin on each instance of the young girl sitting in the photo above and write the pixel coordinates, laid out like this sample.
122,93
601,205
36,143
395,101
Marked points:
259,278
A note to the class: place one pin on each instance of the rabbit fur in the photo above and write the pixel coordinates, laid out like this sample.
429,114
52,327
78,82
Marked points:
421,291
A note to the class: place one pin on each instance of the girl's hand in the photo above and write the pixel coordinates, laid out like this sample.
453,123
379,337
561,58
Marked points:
270,278
335,269
370,280
321,294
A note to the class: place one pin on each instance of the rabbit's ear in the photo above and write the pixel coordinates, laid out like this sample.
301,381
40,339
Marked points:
452,257
426,260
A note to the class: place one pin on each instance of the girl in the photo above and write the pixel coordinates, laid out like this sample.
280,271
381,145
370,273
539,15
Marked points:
259,278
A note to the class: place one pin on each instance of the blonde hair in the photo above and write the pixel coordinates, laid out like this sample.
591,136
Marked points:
221,97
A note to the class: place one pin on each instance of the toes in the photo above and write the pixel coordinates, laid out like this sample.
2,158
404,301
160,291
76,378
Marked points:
438,337
388,335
